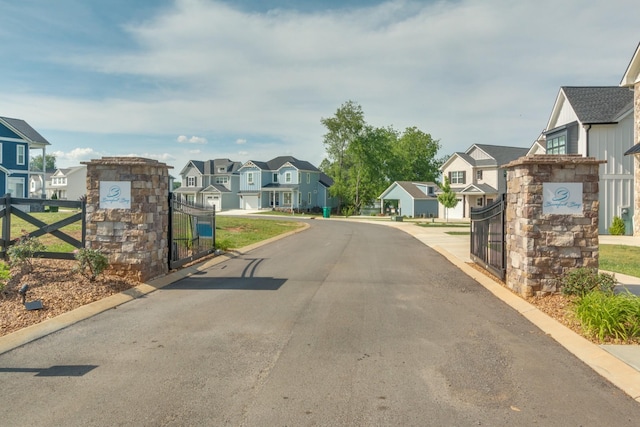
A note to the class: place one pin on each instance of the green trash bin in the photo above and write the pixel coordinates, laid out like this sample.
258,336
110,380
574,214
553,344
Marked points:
326,212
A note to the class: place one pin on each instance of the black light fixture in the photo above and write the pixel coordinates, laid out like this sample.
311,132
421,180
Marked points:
33,305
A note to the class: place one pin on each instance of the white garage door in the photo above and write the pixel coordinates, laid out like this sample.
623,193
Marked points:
457,212
214,201
250,202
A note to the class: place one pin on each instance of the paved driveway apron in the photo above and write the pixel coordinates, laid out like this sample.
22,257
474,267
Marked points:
343,324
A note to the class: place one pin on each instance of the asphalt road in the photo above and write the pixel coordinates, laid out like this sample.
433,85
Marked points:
343,324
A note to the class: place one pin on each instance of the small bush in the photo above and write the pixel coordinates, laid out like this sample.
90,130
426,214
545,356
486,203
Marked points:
223,244
91,263
609,316
5,275
582,281
22,252
618,227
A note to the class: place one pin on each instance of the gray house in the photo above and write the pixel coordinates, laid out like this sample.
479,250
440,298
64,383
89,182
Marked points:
283,183
211,183
413,199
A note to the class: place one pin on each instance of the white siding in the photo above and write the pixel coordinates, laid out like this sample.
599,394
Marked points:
609,142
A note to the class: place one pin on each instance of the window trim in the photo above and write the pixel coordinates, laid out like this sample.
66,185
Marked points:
20,152
250,178
191,181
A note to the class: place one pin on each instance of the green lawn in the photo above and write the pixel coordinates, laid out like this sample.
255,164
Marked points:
620,259
53,244
238,232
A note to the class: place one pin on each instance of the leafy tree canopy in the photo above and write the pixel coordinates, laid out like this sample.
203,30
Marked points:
364,160
36,163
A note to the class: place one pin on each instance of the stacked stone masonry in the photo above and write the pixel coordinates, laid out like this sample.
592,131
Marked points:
136,239
541,248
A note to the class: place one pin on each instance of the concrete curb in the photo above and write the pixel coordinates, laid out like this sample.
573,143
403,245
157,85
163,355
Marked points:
49,326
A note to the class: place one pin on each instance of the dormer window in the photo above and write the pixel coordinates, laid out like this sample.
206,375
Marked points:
191,181
222,169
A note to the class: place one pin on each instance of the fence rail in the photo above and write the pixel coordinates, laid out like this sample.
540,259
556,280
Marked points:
488,237
12,206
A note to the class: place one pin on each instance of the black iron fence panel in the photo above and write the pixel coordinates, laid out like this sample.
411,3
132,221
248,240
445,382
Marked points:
21,208
488,237
192,231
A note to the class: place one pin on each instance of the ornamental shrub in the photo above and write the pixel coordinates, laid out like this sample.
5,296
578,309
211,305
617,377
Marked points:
91,263
609,316
583,280
22,252
618,227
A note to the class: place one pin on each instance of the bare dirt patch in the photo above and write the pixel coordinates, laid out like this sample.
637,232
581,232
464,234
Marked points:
58,287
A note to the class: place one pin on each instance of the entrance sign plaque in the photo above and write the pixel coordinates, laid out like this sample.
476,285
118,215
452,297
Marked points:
562,198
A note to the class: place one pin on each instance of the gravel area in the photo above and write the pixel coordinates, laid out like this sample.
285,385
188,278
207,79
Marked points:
58,287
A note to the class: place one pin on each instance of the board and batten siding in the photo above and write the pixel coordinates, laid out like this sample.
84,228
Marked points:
609,142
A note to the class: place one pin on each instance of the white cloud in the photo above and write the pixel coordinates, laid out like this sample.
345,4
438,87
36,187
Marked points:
193,140
75,156
465,72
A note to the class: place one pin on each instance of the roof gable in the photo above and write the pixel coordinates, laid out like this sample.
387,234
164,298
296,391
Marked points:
598,104
25,131
632,74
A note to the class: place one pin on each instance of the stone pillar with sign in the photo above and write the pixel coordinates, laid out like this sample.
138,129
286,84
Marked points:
551,220
128,214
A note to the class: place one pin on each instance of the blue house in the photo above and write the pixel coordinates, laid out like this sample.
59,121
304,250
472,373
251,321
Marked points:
413,199
283,183
16,139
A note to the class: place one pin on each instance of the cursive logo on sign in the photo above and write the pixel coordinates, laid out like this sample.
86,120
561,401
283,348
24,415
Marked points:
562,194
113,193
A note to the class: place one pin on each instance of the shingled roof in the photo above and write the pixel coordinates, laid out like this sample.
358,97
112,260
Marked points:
599,104
24,130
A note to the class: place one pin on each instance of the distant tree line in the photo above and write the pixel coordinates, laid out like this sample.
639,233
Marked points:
364,160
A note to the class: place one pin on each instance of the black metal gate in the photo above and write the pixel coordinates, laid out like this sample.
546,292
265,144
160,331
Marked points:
192,231
488,246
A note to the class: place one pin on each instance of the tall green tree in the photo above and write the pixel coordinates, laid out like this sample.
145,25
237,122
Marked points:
447,198
368,154
36,163
415,157
342,129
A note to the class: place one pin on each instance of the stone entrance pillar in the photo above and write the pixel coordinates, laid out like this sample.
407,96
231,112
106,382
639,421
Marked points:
551,220
128,214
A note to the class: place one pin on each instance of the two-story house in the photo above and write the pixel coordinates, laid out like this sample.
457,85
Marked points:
213,183
68,183
283,182
477,176
16,139
597,122
631,81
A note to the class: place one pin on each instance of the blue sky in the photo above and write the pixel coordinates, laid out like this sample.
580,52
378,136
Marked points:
175,80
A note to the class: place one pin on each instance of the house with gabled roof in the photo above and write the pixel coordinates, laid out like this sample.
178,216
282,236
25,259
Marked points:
631,81
17,137
283,183
212,183
411,199
597,121
68,183
477,177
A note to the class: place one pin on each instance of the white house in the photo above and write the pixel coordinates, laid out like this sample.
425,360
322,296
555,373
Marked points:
476,176
68,183
597,122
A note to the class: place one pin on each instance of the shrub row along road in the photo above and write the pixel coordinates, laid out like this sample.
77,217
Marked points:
343,324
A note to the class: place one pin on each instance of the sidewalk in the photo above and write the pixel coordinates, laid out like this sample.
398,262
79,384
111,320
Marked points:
620,364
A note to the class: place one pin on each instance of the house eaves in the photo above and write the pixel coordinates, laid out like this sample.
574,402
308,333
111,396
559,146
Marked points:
198,164
216,188
600,104
500,154
23,129
632,74
478,189
464,156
